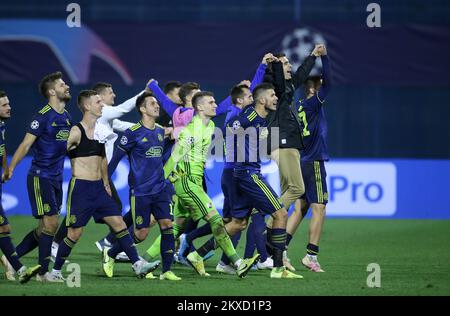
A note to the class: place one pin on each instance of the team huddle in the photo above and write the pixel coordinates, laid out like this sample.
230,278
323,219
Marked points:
167,152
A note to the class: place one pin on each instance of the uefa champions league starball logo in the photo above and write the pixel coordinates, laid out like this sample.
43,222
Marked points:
34,124
299,44
123,140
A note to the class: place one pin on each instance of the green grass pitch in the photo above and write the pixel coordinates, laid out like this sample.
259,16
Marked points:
413,255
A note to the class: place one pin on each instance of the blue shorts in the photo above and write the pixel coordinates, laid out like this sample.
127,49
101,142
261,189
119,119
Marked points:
315,179
160,205
88,199
251,190
227,186
45,196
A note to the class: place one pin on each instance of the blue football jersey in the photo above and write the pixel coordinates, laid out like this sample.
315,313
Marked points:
50,148
249,132
312,114
230,150
144,148
2,144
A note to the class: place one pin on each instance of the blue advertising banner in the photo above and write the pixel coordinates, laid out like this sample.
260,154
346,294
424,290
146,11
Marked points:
407,189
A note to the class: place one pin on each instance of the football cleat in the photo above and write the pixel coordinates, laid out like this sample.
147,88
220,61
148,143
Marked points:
283,273
311,263
245,265
27,273
169,275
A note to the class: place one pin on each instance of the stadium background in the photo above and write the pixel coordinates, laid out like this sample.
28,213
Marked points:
387,119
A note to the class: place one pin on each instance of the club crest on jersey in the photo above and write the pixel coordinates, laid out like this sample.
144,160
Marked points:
73,219
34,124
124,140
139,220
160,138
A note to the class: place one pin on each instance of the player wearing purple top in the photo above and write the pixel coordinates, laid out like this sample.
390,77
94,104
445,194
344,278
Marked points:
47,138
10,259
312,114
151,193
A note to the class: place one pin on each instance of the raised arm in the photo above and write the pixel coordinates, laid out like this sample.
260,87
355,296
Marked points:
168,105
114,112
279,81
257,79
305,68
121,126
326,79
261,71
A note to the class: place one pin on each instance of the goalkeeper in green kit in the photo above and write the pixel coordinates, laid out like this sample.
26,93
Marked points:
185,169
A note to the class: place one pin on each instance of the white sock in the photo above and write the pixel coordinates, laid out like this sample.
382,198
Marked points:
238,263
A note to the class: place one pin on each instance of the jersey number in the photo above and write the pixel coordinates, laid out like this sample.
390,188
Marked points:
302,116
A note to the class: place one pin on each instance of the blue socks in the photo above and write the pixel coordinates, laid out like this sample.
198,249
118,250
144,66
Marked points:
124,243
197,233
279,245
64,250
45,250
167,248
8,249
28,243
128,219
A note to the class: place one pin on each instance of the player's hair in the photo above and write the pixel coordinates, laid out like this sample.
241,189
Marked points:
260,89
311,81
100,86
83,96
186,89
140,101
48,82
238,92
170,85
196,98
2,94
280,54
